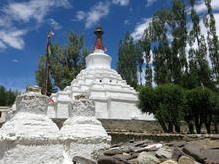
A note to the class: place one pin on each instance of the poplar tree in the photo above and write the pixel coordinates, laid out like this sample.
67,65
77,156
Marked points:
179,33
212,39
200,73
128,60
140,60
162,64
146,47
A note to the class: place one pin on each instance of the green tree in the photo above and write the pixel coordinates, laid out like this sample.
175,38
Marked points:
166,102
128,60
201,103
212,39
178,49
199,70
145,43
7,97
65,62
162,64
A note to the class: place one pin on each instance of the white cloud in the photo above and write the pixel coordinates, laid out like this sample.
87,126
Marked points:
22,13
150,2
97,12
15,61
13,38
54,24
139,29
121,2
80,15
201,7
2,45
33,9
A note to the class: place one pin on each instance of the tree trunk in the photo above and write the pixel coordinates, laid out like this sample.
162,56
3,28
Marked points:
162,124
198,125
208,123
208,127
191,127
177,128
215,127
170,127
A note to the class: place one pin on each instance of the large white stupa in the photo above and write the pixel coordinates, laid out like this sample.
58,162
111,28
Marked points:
113,97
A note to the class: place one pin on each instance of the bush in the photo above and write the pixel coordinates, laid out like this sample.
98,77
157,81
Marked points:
202,104
166,102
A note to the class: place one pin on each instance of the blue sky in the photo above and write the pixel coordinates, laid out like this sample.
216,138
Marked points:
24,25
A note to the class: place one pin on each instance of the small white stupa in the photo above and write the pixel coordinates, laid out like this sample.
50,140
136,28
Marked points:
113,97
30,136
82,133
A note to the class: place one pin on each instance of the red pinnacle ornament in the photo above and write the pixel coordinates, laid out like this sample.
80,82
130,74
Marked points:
99,41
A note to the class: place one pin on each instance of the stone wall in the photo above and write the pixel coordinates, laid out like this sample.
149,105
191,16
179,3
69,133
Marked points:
139,126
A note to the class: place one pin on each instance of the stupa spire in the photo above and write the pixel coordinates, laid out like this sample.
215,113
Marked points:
99,41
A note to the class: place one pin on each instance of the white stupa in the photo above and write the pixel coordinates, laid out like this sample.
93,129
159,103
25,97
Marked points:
29,136
113,97
82,133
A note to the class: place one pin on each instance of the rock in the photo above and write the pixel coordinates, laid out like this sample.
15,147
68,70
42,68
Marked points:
215,137
117,145
110,160
133,161
195,151
97,154
134,155
179,144
139,143
152,147
123,156
210,162
212,155
113,151
127,148
147,158
165,153
176,143
185,160
169,162
131,141
177,153
82,160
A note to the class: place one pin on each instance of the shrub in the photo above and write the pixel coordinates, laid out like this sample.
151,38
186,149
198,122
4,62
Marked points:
166,102
201,103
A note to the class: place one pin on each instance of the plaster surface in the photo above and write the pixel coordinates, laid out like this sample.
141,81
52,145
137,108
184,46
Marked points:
29,136
113,97
82,132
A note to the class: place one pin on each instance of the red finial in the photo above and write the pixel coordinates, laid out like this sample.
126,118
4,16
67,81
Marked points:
99,41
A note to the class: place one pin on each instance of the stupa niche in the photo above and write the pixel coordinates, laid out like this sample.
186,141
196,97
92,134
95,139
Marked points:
113,97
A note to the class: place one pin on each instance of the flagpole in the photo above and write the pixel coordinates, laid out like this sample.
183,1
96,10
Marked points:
50,34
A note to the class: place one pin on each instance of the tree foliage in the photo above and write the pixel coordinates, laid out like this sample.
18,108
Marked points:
169,38
200,73
127,65
7,97
212,39
172,104
202,105
65,62
166,102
